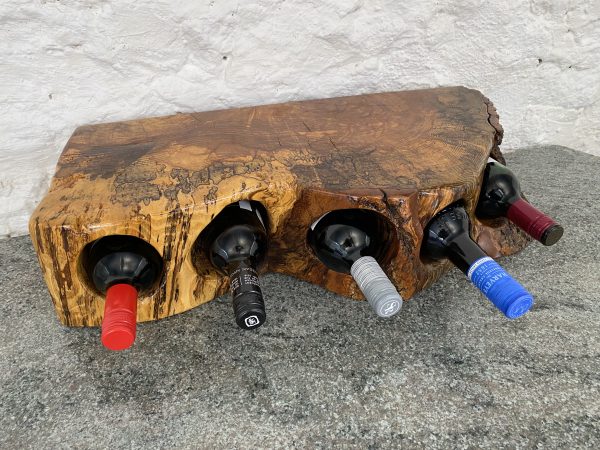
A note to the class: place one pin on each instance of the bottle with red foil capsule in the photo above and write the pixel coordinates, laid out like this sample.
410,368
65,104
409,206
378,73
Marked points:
501,196
447,237
120,267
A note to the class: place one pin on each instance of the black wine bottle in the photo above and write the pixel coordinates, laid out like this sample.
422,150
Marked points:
447,236
351,241
121,266
236,243
501,197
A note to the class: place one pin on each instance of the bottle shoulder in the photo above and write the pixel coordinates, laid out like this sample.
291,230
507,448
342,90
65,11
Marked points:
242,242
449,225
122,259
448,236
499,190
341,237
120,246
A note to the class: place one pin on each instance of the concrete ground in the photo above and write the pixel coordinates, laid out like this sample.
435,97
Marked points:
324,372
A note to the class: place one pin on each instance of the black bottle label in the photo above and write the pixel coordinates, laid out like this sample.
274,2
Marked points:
244,282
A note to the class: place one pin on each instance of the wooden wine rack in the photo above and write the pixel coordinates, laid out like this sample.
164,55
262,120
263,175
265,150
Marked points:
405,155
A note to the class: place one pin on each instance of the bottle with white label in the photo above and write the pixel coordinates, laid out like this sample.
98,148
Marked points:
236,243
447,236
353,241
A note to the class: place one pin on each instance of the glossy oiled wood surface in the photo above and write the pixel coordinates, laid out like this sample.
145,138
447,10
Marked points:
405,155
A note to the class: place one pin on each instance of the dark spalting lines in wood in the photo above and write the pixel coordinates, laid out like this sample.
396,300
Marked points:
134,185
352,170
38,237
349,168
177,230
211,197
62,274
187,181
219,171
102,161
60,212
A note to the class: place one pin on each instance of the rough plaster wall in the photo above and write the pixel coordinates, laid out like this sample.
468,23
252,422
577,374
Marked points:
66,63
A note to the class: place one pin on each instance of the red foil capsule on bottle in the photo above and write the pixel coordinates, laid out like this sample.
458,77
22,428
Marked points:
120,312
534,222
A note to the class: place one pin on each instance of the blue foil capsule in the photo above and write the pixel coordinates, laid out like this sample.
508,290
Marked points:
500,288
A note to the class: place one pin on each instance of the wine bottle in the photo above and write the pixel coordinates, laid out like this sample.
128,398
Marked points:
119,267
447,236
350,241
236,243
501,197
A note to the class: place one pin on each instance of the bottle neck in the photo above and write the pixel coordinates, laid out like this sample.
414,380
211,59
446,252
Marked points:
243,278
534,222
464,252
339,246
238,244
239,265
248,302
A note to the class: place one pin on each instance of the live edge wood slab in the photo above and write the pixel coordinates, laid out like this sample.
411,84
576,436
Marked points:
405,155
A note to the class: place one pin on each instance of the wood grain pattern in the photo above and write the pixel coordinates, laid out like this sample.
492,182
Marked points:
404,154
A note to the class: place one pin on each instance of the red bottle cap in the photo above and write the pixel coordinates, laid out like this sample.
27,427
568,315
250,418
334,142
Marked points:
534,222
120,311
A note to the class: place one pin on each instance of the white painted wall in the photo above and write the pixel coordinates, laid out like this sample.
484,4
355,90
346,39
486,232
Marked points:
65,63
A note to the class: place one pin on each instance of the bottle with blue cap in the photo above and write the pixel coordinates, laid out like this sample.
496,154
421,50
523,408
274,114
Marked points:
447,236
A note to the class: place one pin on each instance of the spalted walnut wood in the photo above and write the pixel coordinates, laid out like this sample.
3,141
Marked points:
404,154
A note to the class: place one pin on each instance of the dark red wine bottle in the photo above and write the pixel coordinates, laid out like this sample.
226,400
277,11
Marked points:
447,236
120,267
501,197
352,241
236,243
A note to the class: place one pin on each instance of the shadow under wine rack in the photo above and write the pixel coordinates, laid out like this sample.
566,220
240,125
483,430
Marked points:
404,155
